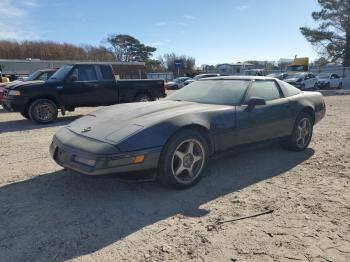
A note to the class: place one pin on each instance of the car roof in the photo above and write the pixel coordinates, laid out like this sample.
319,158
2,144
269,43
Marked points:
247,78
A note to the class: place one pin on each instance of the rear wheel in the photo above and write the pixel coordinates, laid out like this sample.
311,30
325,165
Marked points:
43,111
302,133
143,98
340,86
183,160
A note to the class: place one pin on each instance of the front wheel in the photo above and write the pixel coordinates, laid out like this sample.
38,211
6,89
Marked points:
340,86
302,133
25,114
183,160
43,111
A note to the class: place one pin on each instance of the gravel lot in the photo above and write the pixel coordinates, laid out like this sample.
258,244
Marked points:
48,214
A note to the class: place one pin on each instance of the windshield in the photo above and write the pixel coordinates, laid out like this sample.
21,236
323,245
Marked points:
61,73
294,76
324,75
33,76
220,92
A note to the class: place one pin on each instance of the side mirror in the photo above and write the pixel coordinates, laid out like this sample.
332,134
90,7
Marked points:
255,101
72,78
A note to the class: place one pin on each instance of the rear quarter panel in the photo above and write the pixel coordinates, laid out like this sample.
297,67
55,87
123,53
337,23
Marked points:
312,100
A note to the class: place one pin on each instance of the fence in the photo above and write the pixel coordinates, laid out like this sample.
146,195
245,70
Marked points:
339,70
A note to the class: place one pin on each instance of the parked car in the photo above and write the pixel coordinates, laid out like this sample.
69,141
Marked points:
3,82
177,83
177,136
329,80
254,72
280,76
303,81
77,85
41,74
198,77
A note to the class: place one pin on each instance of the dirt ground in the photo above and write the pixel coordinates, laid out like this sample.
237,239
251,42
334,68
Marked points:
48,214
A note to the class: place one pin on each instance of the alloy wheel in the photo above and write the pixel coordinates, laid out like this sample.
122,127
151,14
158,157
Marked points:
188,161
303,132
44,112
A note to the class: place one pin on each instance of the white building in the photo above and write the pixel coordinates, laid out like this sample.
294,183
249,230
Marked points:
234,68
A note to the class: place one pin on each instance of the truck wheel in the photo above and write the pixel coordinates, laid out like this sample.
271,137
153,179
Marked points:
43,111
25,114
143,98
183,160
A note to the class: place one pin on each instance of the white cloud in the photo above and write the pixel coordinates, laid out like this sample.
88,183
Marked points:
15,21
9,9
242,7
170,23
159,43
190,17
30,3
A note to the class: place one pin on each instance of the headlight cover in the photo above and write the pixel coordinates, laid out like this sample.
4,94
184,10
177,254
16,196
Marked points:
14,93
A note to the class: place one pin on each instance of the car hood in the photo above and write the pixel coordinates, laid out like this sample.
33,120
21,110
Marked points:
114,124
171,83
25,84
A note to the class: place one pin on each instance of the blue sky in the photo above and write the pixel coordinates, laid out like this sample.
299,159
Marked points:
211,31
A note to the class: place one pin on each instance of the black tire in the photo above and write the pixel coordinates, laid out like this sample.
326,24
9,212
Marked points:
170,163
328,86
143,98
295,142
302,87
25,114
340,86
43,111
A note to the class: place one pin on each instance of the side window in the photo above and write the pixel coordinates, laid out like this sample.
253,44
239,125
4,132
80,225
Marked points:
44,77
264,89
335,76
106,73
85,73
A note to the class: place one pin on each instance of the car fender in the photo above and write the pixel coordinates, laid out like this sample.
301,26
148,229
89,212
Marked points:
145,138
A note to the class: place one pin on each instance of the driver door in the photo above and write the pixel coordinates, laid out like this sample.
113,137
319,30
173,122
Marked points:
264,122
81,88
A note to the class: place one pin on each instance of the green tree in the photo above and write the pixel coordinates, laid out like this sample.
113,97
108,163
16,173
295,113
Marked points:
320,62
129,49
189,63
332,37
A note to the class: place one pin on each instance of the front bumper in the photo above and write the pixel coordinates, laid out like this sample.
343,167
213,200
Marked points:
15,104
94,164
322,85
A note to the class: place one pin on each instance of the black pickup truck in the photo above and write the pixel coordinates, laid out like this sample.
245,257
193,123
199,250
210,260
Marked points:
77,85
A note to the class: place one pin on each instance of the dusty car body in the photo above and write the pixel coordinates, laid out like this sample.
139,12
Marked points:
179,134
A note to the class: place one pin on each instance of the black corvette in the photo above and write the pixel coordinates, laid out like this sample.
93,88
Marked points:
176,136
